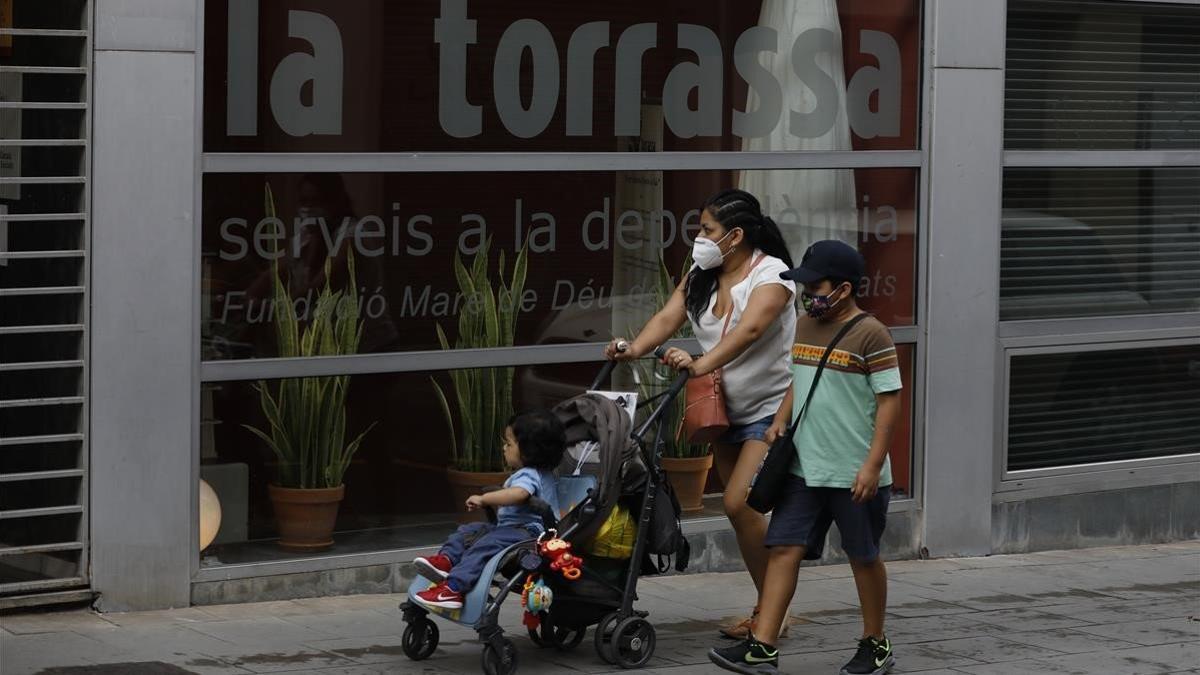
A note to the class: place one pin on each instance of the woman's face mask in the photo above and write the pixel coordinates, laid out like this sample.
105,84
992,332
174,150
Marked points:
818,306
707,253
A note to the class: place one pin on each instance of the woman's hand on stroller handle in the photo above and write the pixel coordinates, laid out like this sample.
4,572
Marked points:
621,349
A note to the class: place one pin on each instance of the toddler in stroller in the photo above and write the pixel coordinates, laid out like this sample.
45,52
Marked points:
533,447
618,474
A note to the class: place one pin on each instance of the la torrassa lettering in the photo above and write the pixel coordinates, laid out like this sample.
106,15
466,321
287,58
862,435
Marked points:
319,66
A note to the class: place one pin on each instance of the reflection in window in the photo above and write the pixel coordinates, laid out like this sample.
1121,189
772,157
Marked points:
1103,406
1095,242
403,487
1102,74
593,243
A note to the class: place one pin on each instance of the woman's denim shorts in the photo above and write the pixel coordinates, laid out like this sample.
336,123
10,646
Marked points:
751,431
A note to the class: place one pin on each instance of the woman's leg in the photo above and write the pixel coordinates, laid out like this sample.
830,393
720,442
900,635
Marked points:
736,465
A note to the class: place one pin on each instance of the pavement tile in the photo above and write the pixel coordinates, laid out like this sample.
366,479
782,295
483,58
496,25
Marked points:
358,623
1067,640
267,659
1162,631
259,632
1026,619
22,654
990,649
52,622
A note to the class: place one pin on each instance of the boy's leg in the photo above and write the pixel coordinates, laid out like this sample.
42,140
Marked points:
462,539
470,566
861,527
871,580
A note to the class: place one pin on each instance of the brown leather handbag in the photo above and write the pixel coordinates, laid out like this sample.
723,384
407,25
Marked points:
704,416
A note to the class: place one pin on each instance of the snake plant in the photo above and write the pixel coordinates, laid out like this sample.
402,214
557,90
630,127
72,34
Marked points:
483,397
306,417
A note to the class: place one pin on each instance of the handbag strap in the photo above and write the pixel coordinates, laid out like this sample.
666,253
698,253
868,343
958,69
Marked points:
729,310
821,368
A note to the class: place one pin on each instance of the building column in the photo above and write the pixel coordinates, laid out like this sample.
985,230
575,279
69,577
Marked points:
144,136
966,124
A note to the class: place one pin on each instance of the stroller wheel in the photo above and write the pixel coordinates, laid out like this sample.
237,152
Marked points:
561,638
499,657
420,639
633,642
603,637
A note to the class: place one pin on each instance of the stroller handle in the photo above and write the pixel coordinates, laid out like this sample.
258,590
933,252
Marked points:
606,370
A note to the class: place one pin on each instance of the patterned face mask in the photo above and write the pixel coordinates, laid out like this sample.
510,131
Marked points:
818,306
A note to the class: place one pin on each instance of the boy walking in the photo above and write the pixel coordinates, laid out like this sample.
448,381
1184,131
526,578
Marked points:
842,473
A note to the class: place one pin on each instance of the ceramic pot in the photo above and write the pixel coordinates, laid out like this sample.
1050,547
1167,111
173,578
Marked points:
306,516
688,476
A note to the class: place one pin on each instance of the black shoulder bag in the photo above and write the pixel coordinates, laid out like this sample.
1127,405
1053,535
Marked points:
768,483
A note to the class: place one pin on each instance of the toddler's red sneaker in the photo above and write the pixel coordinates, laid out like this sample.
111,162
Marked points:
434,568
440,596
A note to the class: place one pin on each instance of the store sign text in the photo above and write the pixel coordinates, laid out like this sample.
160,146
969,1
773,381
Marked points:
322,65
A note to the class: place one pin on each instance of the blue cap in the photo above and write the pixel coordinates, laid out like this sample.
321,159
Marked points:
828,259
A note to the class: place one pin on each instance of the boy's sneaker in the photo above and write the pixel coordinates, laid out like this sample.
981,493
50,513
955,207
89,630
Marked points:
874,657
434,568
440,596
751,657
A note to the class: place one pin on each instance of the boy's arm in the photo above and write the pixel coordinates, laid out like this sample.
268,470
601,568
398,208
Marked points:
510,496
887,411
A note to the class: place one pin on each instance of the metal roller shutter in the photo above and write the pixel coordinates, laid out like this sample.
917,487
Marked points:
45,57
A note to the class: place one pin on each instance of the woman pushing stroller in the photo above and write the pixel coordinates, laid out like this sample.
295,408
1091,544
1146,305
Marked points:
740,311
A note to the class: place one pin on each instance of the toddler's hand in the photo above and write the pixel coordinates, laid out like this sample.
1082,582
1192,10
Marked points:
474,502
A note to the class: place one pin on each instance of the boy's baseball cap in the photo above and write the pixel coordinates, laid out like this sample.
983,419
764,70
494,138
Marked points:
828,259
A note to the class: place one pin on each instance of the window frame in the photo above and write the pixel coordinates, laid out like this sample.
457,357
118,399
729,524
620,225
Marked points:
205,372
1068,335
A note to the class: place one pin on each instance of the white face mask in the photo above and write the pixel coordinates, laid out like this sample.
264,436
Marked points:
707,253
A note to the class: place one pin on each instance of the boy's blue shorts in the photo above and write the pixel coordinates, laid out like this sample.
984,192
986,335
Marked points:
803,516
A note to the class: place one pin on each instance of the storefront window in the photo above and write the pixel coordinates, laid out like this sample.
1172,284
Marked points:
418,250
374,76
592,244
1102,75
401,486
1094,242
1087,407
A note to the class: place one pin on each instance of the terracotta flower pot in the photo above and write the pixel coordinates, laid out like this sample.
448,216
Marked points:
466,483
306,516
688,476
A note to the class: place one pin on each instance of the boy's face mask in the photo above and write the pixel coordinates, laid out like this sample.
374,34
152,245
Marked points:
818,306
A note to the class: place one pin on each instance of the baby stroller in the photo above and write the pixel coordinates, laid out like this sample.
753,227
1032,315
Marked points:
624,470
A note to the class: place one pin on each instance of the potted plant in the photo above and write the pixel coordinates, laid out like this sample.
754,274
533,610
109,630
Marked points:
306,417
483,398
686,464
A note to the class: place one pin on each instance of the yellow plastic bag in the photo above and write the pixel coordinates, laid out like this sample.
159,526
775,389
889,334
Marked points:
616,535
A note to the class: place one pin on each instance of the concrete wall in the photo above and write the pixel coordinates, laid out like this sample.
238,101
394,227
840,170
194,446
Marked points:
1142,515
143,256
965,128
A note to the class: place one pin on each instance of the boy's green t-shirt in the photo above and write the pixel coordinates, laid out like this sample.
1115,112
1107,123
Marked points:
834,438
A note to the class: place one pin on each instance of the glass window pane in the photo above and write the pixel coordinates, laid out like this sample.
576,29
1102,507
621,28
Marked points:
702,75
1097,242
593,246
1099,74
401,490
1103,406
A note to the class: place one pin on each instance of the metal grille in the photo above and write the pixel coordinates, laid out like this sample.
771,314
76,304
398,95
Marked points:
1075,408
1099,74
1099,242
45,68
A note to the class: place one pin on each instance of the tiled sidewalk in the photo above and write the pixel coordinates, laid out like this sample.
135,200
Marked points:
1106,610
